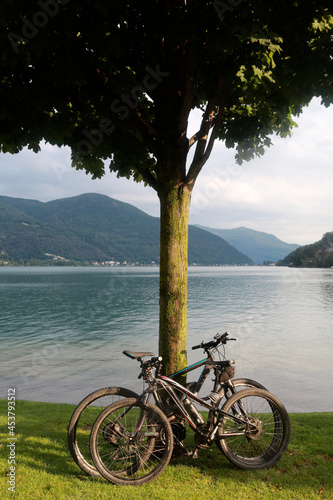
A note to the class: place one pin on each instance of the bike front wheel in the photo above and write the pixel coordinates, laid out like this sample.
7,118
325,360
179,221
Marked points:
257,430
83,419
131,443
236,385
240,384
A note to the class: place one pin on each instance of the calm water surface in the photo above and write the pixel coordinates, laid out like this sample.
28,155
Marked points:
63,330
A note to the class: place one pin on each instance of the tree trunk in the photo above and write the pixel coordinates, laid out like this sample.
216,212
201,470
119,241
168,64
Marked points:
175,205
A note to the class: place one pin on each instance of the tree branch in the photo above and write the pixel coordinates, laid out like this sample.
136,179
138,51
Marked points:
148,177
193,139
146,123
201,138
203,150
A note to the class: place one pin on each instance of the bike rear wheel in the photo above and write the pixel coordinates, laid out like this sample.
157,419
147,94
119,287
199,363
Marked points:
131,443
264,432
83,419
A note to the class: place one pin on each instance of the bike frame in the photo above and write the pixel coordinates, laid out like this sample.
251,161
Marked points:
209,363
170,386
203,375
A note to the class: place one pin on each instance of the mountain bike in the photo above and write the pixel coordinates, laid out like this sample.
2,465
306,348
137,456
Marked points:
89,408
131,440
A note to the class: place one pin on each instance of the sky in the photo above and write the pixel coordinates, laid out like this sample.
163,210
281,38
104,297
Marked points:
288,192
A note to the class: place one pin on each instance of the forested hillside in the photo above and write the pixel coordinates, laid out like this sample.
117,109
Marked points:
94,228
319,254
259,246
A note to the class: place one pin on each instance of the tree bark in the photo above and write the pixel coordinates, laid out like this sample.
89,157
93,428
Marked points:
175,205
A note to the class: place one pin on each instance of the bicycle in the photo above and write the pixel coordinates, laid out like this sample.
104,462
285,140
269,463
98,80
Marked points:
86,412
131,440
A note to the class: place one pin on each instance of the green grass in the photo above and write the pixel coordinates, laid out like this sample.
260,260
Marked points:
46,470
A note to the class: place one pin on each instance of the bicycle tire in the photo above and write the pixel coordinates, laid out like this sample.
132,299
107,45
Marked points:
84,416
262,446
238,384
131,443
246,382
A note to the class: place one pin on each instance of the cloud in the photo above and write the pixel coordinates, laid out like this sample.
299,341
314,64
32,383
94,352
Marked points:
287,192
48,175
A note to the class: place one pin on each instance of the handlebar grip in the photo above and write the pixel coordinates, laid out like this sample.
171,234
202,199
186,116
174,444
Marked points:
196,347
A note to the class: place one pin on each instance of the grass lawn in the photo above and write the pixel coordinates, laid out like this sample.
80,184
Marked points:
44,468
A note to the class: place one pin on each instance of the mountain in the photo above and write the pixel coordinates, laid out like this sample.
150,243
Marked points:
94,227
319,254
260,247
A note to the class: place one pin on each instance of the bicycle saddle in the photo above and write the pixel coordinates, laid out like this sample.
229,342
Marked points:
137,355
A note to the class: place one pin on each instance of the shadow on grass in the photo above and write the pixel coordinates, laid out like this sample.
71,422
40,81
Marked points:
42,445
41,431
305,465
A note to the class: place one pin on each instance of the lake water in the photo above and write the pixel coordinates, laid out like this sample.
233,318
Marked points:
63,330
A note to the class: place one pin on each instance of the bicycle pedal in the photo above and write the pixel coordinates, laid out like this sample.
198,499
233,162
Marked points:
185,451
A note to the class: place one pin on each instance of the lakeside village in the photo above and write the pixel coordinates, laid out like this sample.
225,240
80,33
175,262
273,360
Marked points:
58,260
115,263
110,263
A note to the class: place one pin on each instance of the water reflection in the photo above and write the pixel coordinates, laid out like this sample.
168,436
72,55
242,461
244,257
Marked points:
63,330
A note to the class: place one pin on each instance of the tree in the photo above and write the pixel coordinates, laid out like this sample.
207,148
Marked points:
117,81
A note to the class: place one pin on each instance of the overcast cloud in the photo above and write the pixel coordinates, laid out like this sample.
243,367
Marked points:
287,192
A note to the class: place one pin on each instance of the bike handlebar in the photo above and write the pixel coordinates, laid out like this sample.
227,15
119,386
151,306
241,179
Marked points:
155,362
219,339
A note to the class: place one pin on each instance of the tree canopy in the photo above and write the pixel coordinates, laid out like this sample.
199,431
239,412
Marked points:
117,81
